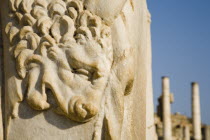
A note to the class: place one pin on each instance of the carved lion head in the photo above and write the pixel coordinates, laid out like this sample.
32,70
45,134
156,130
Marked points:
61,46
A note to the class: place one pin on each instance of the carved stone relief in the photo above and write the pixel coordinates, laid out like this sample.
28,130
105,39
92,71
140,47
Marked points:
62,47
89,56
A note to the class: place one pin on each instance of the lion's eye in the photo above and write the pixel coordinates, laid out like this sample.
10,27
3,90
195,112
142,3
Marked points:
82,73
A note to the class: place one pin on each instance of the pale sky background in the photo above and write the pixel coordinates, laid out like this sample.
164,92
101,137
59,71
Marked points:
181,50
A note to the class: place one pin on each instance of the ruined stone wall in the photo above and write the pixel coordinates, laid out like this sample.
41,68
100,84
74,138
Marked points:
179,122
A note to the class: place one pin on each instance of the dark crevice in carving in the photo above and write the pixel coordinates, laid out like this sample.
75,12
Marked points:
129,87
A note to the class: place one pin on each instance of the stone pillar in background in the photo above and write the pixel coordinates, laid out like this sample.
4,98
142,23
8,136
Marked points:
186,133
207,132
166,100
196,115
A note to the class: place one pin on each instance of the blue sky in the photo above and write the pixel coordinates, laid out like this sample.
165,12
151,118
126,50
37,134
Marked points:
181,50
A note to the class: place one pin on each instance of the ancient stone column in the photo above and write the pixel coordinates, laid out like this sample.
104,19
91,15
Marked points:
186,133
196,116
166,109
207,132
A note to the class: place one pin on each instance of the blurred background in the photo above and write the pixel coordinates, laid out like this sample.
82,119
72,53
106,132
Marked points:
181,50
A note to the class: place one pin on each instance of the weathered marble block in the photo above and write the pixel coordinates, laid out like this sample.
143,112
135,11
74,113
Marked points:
76,70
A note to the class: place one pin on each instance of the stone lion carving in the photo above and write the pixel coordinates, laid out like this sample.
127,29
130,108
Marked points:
61,46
